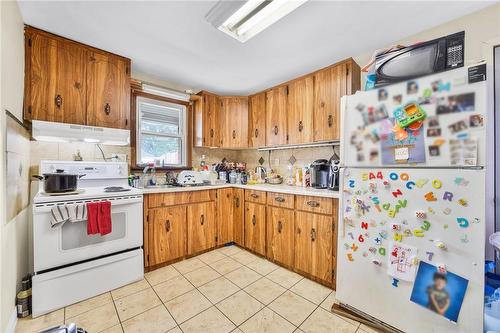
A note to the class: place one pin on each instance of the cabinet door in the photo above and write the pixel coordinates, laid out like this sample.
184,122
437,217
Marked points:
314,244
201,227
330,85
257,120
55,80
239,215
211,124
276,111
108,91
225,122
303,246
234,122
225,222
167,234
280,242
255,227
300,110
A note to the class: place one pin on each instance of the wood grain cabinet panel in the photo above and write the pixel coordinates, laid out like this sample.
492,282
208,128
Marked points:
281,200
276,116
167,234
257,120
206,122
201,229
255,196
225,216
234,122
255,227
239,215
280,235
314,204
179,198
55,80
314,245
300,110
108,91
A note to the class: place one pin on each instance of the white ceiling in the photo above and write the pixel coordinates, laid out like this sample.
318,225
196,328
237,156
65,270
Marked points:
172,41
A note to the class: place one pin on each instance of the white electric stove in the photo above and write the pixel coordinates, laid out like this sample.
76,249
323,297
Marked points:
69,265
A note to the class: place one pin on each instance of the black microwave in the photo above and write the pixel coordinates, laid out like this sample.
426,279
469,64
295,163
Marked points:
421,59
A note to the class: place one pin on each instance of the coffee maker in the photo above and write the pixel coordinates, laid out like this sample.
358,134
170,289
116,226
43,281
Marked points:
320,174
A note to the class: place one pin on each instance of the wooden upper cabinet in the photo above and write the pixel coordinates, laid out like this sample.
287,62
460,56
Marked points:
276,116
234,122
206,120
69,82
108,91
330,84
55,80
257,120
300,110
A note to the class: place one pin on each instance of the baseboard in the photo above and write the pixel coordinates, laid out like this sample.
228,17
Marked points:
11,326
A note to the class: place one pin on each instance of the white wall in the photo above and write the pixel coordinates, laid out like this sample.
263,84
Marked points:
14,163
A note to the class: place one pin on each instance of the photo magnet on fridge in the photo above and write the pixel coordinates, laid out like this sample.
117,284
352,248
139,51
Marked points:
442,293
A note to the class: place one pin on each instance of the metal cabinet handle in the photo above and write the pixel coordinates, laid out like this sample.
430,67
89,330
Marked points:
301,126
234,134
202,219
330,120
211,132
313,203
256,132
279,199
253,195
275,130
313,234
280,226
254,220
58,101
107,108
167,225
322,104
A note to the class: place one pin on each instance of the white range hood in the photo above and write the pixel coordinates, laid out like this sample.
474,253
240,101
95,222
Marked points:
59,132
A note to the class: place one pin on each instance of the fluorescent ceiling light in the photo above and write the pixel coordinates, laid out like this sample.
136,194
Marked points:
155,90
252,17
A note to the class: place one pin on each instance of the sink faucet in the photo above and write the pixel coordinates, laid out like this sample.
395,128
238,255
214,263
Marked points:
152,180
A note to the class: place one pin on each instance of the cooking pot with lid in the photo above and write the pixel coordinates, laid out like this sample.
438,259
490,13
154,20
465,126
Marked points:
59,181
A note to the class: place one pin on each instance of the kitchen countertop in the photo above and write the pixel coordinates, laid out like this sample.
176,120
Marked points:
259,187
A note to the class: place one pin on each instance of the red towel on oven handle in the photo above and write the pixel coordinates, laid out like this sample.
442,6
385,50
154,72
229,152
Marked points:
93,209
104,218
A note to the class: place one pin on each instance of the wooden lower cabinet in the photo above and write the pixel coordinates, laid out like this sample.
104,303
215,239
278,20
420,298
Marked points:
314,245
201,230
255,227
225,216
239,216
280,242
168,234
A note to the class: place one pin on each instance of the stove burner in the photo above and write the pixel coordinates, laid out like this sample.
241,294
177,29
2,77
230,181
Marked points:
116,189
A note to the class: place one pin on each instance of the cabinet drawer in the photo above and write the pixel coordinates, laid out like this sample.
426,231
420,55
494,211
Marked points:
280,200
314,204
255,196
179,198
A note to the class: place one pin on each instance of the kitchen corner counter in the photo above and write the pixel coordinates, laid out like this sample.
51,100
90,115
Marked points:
258,187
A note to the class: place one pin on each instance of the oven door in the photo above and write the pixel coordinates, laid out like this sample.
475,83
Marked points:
69,243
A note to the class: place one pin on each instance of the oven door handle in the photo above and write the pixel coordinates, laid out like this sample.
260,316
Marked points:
46,207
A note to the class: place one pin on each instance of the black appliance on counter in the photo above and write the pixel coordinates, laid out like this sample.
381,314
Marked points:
320,173
420,59
334,174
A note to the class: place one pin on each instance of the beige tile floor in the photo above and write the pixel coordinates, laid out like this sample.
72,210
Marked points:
225,290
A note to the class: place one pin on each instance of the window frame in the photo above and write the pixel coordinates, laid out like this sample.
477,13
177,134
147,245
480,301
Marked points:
135,132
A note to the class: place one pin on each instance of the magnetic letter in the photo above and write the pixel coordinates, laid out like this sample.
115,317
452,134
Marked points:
418,233
386,206
395,282
426,225
379,175
364,176
410,185
404,176
371,176
398,237
381,250
462,222
391,213
430,196
361,239
393,176
448,196
364,225
437,184
351,183
397,193
349,256
354,247
421,182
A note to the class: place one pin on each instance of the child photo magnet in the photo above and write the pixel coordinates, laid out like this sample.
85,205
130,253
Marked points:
442,293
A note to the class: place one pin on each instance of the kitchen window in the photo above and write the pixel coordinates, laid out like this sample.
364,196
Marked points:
161,133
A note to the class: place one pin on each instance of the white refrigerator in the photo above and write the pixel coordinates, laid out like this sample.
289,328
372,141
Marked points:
411,240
